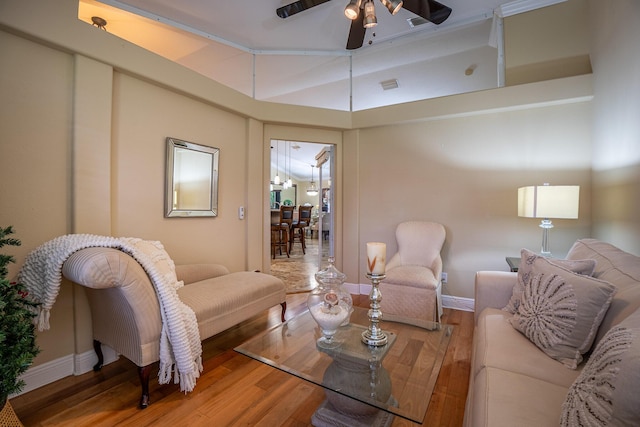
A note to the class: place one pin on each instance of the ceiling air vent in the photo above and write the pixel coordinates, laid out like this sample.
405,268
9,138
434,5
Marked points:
389,84
418,20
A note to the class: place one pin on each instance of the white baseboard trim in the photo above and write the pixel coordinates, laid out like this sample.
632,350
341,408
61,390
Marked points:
41,375
84,362
458,303
78,364
448,301
354,288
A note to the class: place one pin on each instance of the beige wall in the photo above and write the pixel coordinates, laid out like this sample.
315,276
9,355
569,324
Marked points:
35,155
144,115
83,148
464,173
616,128
547,43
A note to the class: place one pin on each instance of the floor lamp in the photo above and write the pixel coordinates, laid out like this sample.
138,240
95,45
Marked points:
548,202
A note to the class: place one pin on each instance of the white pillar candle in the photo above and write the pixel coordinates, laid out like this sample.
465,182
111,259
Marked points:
376,257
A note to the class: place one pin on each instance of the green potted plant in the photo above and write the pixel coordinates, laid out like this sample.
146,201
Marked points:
17,331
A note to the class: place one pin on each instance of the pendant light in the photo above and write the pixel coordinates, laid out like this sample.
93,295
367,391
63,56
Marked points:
289,181
276,179
312,190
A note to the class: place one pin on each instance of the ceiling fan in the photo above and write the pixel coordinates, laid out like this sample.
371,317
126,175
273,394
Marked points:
356,10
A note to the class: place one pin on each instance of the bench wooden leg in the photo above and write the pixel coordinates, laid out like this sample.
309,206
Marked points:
97,347
144,372
284,308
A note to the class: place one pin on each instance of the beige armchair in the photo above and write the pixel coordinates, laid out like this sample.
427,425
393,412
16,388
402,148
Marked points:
412,287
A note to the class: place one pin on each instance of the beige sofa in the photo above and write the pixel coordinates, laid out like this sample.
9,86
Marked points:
126,313
514,383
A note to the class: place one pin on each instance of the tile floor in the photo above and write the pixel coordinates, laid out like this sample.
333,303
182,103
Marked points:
299,269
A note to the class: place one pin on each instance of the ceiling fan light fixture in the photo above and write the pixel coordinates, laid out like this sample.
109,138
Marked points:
370,19
352,10
392,5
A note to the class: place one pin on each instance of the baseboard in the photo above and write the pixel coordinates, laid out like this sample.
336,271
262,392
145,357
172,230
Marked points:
49,372
84,362
353,288
458,303
448,301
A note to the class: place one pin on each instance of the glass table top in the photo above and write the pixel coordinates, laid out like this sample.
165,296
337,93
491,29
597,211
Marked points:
398,377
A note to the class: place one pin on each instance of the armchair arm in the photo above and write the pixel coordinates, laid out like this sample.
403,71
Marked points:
436,267
191,273
394,261
493,289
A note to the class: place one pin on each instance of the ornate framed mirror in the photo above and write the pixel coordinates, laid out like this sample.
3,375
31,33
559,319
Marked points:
191,179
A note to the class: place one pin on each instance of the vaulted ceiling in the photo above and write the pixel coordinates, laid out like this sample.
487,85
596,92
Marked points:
303,60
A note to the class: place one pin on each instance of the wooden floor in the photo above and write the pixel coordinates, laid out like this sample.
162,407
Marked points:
233,390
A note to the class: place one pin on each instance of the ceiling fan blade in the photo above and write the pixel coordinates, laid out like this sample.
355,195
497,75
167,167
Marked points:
356,33
430,10
297,6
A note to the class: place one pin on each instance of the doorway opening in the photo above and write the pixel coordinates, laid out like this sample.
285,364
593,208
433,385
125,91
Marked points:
302,174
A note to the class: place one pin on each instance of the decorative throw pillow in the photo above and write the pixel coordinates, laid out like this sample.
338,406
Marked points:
560,311
606,391
527,258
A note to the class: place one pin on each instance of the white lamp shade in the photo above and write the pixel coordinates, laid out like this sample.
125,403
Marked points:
549,201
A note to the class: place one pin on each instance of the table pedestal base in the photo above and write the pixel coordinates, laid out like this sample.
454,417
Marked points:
327,416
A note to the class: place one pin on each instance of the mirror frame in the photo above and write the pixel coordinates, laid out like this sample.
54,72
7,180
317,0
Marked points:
171,211
295,195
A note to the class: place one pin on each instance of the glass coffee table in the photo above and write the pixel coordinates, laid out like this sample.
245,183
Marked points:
364,385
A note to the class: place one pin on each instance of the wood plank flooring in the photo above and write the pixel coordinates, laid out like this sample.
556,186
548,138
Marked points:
234,390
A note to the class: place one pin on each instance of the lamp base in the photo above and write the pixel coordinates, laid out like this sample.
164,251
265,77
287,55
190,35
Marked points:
545,225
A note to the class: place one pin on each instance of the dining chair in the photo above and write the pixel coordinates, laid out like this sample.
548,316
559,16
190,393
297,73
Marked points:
283,228
279,240
299,227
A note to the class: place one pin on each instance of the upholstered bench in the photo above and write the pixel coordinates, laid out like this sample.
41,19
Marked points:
125,310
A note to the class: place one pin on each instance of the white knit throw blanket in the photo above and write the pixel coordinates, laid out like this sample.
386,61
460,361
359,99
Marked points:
180,345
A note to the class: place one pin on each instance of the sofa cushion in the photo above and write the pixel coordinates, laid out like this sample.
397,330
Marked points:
498,345
560,310
606,392
617,267
527,258
506,399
